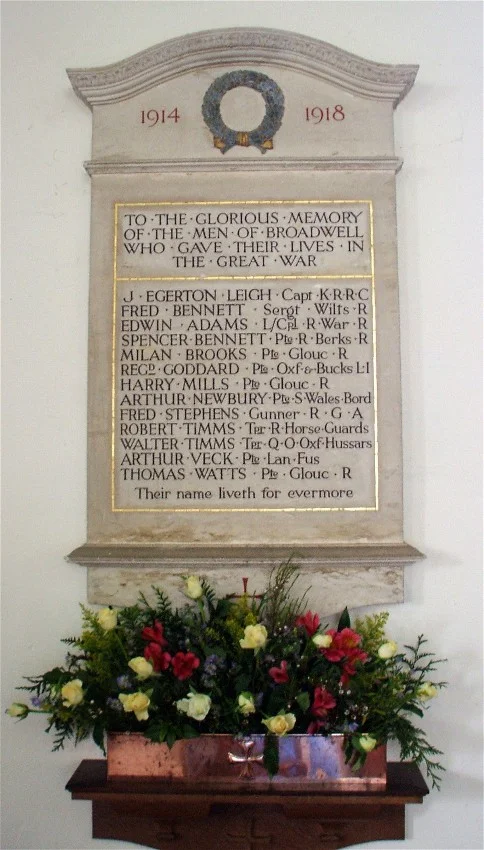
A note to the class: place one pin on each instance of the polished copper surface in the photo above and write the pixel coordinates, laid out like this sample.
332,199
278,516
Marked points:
302,759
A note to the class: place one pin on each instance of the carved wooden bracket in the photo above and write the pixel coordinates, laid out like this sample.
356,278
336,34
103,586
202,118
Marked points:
162,815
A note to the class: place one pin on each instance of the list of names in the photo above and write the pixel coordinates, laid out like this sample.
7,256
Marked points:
249,390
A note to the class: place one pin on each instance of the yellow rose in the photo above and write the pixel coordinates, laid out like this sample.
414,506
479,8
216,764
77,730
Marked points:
193,588
255,637
18,709
426,691
137,702
367,743
280,724
142,667
322,641
246,703
107,619
72,693
388,649
195,705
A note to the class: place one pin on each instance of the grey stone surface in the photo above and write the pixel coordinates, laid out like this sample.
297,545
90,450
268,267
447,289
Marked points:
154,153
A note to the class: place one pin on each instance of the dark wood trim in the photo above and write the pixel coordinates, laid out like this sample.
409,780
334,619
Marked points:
161,814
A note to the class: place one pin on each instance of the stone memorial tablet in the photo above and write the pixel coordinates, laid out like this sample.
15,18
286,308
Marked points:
231,391
244,385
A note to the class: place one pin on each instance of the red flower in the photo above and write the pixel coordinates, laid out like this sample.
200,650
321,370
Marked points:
344,643
154,634
159,659
310,622
345,648
315,726
349,668
322,702
280,674
184,663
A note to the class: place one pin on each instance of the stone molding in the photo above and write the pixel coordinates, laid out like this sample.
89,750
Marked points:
158,166
353,575
221,47
170,556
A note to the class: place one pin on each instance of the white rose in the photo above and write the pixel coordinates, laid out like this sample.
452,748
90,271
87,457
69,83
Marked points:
142,667
138,703
196,706
280,724
322,641
246,703
367,743
426,691
388,650
107,619
255,637
193,587
72,693
18,709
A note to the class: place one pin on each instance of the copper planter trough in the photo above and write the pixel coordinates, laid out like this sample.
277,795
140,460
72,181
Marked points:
303,760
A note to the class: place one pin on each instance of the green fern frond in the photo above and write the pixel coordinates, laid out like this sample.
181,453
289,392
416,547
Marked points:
278,608
372,630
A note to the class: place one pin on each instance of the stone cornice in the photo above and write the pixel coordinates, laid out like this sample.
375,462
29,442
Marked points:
161,63
391,164
235,556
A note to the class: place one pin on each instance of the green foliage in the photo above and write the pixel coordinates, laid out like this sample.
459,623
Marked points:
271,755
278,607
372,630
167,733
162,610
344,621
303,700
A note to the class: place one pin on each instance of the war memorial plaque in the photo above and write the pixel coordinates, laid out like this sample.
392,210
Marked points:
254,392
244,386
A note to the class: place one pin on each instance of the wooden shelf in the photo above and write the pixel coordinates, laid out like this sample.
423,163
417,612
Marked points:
187,815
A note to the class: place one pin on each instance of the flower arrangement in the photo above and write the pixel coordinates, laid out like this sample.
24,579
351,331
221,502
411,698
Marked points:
240,665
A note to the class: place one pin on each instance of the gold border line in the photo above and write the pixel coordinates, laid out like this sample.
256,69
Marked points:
335,277
231,510
252,277
231,203
375,382
113,367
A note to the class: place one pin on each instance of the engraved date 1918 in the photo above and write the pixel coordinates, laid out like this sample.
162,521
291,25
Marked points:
317,114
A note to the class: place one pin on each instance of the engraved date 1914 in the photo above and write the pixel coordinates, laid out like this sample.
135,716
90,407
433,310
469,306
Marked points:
152,117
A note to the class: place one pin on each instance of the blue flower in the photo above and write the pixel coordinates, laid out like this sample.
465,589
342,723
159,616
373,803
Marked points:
212,662
124,681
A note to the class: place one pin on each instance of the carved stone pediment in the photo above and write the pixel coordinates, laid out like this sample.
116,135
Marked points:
246,45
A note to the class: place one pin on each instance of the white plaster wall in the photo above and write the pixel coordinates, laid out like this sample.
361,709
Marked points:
46,136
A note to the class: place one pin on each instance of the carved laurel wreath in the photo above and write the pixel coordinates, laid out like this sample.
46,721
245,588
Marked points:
261,137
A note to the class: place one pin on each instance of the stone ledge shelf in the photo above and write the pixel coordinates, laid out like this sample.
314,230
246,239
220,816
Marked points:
353,575
314,557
